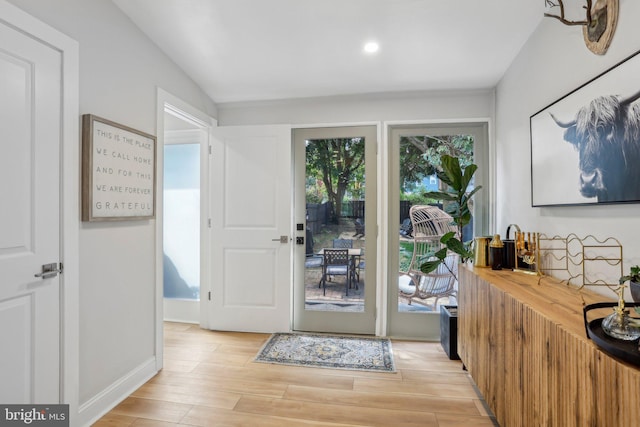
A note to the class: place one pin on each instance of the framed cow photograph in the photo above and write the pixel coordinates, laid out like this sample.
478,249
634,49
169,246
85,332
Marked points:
585,147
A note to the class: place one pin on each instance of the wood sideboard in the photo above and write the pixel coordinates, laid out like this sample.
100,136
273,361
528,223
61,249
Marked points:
524,343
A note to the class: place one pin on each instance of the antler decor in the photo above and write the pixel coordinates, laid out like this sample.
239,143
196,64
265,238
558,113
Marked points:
599,24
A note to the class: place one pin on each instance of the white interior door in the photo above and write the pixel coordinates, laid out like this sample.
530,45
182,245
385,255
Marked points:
251,210
30,118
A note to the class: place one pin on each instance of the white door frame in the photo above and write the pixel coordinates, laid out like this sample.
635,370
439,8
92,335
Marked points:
168,102
70,198
322,321
381,216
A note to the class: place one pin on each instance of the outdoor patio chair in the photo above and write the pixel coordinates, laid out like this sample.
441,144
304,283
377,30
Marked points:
406,230
337,262
343,243
429,224
359,224
311,260
357,264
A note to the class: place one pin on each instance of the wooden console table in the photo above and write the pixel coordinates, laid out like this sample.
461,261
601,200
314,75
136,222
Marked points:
525,347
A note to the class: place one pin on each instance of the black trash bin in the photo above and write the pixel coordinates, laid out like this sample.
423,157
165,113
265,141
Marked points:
449,330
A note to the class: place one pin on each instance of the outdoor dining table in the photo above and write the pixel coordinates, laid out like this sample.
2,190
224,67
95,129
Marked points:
353,252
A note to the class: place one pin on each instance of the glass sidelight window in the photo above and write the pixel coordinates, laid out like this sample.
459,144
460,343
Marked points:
415,155
182,221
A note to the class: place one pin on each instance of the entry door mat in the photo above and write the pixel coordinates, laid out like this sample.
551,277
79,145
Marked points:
328,351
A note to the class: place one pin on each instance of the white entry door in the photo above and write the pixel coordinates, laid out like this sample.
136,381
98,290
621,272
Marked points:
30,117
251,210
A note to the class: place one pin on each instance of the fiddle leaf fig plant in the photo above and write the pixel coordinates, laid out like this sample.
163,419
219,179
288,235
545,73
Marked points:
456,198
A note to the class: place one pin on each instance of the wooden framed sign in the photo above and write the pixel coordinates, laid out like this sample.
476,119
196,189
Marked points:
118,171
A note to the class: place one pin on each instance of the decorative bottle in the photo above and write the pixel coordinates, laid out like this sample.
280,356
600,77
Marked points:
495,252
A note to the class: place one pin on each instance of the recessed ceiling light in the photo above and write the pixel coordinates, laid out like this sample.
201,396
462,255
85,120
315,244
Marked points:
371,47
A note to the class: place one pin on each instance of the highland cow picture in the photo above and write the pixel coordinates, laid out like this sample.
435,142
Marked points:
585,147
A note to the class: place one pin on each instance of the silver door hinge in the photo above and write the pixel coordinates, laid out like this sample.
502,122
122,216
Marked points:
209,222
209,295
210,150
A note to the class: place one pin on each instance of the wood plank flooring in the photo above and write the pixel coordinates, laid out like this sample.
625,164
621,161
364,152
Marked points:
210,379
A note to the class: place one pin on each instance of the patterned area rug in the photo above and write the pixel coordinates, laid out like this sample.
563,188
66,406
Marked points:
328,351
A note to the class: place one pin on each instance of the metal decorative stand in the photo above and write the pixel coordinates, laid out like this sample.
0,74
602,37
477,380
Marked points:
583,261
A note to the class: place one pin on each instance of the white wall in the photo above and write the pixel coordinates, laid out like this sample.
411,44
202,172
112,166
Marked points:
119,72
361,108
552,63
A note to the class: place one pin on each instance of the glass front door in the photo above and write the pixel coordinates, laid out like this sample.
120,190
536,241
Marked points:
335,193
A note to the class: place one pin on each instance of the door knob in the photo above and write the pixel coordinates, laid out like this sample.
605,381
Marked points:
49,270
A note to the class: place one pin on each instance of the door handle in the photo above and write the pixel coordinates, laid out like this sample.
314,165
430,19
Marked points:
49,270
281,239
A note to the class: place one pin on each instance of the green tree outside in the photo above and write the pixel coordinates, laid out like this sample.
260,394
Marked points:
421,156
335,167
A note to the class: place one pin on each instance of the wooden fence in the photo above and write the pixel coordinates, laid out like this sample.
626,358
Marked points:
319,214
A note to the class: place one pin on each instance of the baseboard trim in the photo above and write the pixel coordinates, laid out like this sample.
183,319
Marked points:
107,399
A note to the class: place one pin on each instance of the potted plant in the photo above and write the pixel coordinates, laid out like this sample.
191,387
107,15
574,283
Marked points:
634,282
456,196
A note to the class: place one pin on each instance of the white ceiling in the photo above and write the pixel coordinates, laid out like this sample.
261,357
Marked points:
246,50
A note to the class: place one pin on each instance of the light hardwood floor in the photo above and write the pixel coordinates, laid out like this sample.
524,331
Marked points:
210,379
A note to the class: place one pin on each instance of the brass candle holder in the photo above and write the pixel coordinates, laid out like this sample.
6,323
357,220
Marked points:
527,252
